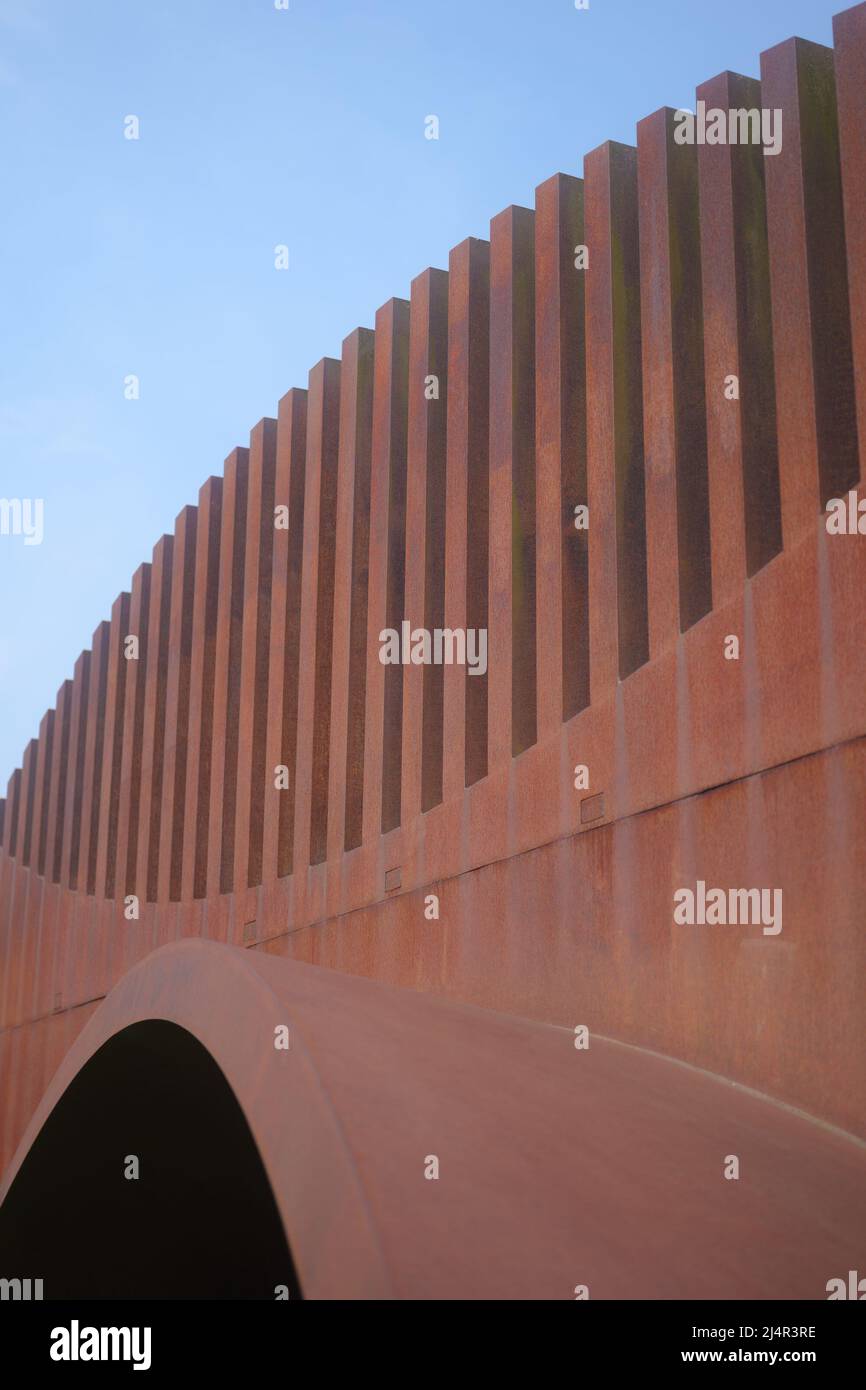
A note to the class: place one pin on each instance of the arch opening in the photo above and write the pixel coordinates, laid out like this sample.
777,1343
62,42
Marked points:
200,1220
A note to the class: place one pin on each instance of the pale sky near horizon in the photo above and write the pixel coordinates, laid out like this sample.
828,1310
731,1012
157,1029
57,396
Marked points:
259,127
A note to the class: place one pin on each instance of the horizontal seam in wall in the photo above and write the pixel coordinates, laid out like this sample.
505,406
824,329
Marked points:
490,863
577,832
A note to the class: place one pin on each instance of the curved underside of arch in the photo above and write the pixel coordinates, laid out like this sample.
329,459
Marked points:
145,1182
310,1166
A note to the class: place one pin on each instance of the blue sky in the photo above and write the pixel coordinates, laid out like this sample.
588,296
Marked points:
259,127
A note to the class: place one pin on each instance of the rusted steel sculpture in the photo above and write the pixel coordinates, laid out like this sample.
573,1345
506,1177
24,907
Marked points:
613,439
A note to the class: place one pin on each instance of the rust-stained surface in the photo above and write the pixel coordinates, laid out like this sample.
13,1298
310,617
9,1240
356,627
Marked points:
257,777
599,1168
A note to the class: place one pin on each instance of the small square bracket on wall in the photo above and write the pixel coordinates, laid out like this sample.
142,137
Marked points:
592,808
392,879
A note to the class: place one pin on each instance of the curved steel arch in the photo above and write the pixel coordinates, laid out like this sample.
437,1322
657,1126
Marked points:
145,1182
557,1167
216,994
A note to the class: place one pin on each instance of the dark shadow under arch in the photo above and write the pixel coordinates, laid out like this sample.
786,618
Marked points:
199,1222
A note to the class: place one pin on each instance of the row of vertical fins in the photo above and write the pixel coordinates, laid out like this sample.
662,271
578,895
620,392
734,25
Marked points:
433,474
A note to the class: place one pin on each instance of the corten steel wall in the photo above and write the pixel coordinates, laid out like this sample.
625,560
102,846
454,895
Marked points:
558,387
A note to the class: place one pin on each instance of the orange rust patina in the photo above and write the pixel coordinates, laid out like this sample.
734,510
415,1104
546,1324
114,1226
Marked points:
622,475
